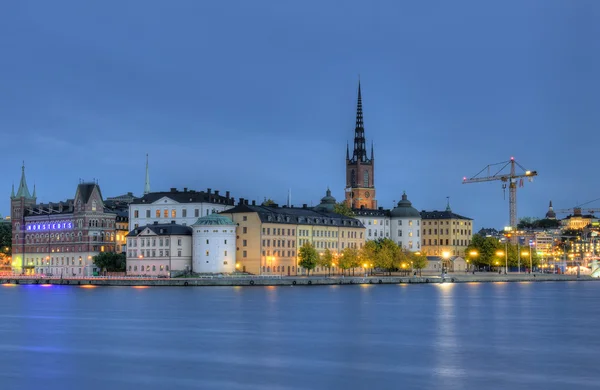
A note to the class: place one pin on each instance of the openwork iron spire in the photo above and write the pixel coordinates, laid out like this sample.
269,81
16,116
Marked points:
360,152
147,184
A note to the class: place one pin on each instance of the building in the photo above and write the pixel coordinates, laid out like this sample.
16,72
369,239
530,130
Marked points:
550,214
445,233
60,238
121,210
402,224
214,244
269,236
360,177
159,249
182,207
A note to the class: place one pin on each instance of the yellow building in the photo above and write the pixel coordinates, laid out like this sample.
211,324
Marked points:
445,233
269,236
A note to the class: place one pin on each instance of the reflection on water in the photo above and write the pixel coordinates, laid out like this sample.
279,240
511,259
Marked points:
450,336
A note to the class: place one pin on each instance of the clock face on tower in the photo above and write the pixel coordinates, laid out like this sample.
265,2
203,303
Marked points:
367,194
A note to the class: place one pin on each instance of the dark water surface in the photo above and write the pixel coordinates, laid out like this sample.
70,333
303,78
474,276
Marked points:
461,336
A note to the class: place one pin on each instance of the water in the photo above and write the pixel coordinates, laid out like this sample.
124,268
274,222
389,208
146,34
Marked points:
452,336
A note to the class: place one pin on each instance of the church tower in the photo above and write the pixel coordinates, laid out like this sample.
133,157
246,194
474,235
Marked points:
19,204
360,177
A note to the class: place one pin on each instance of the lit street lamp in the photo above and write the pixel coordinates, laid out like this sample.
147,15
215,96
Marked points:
525,253
500,253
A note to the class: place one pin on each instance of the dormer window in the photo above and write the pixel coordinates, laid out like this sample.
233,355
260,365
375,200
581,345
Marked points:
93,205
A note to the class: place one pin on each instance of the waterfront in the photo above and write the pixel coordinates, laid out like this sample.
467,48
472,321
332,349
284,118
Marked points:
452,336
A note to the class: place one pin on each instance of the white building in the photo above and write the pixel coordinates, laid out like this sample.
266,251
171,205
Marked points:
214,244
159,249
402,224
182,207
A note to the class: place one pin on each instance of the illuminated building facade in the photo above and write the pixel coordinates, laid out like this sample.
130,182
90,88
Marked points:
269,236
445,233
60,238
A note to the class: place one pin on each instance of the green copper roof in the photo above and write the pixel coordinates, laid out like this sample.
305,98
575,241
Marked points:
213,219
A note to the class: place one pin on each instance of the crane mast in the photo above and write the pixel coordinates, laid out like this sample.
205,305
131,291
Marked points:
512,178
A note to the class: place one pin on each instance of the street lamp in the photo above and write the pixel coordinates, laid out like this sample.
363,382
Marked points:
446,256
500,253
525,253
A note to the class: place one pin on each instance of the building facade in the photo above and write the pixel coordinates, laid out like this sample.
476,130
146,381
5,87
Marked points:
445,233
183,207
360,170
402,224
159,249
61,238
269,236
214,239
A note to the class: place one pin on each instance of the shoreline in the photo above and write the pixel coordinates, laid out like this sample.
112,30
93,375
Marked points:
293,281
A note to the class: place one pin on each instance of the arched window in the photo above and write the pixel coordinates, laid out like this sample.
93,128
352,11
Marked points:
153,268
93,205
366,179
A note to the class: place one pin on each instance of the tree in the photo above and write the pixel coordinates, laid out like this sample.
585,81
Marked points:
349,258
387,255
419,261
268,202
325,259
484,251
308,256
110,262
343,209
5,238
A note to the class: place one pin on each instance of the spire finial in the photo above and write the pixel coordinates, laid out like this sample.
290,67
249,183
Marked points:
33,196
147,184
23,191
347,151
448,204
372,153
12,192
360,153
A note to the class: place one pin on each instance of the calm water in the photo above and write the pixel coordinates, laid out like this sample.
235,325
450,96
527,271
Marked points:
462,336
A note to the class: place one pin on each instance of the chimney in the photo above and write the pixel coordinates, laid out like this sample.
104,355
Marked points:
304,205
172,222
184,189
246,202
173,189
241,201
227,194
216,193
208,190
253,203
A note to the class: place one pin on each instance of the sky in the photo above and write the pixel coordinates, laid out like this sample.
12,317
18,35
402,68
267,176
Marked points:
259,97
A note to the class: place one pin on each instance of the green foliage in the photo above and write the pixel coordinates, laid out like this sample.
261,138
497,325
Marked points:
419,261
350,258
492,253
110,262
343,209
5,238
387,255
308,256
325,259
534,223
268,202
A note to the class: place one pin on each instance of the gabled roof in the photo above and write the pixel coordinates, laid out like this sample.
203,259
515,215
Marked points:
442,215
186,196
86,189
296,215
163,229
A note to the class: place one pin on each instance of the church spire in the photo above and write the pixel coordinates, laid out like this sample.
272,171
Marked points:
372,153
347,151
448,209
12,192
23,191
147,184
360,152
34,196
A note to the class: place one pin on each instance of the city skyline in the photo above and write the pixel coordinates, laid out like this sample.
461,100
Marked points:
260,99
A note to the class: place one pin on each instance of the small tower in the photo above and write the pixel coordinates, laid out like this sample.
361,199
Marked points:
214,244
19,204
147,184
360,170
550,214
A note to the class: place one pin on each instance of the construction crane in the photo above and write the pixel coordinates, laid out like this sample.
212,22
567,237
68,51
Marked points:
511,178
577,210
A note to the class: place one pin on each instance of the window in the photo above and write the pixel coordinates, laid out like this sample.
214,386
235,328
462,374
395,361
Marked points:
245,243
93,205
244,254
225,253
179,241
245,218
225,242
147,213
173,213
136,214
207,253
366,178
179,253
196,212
184,213
166,213
244,230
157,213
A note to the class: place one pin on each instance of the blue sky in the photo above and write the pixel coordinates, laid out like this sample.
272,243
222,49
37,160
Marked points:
257,97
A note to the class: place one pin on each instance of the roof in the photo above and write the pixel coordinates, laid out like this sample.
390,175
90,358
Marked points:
371,212
86,190
442,215
163,229
405,209
213,219
296,215
186,196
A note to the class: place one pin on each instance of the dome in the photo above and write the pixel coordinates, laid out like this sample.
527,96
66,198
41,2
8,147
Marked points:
405,209
550,214
213,219
327,202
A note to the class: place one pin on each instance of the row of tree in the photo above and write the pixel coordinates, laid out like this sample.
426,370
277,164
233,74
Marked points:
383,254
490,252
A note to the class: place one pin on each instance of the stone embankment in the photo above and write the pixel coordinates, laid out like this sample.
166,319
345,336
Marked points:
292,281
